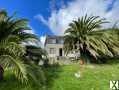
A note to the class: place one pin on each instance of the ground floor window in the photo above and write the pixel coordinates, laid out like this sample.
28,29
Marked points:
52,50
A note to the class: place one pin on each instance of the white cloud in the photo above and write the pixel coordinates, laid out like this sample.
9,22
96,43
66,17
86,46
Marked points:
41,18
32,31
29,31
59,20
42,39
31,41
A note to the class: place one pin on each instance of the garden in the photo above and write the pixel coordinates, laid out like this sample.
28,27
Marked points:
19,61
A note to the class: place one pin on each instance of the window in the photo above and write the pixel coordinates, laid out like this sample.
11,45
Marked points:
52,51
60,41
52,41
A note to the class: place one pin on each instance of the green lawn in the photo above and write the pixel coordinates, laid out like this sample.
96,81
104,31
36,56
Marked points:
93,77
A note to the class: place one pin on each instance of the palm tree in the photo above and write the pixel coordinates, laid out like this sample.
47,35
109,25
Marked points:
35,54
12,34
15,27
85,36
10,57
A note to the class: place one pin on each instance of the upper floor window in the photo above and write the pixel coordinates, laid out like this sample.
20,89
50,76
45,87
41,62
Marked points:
56,41
52,41
60,41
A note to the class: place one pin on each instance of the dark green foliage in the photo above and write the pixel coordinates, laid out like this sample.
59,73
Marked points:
85,35
12,52
35,54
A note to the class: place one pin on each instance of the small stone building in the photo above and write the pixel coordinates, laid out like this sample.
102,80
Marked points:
54,46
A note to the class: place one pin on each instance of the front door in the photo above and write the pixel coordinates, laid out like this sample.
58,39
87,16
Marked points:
60,52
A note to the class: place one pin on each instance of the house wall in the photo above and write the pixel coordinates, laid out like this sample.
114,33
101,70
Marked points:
56,47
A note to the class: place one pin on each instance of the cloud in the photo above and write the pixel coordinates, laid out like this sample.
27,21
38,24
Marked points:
59,20
42,39
41,18
32,41
32,31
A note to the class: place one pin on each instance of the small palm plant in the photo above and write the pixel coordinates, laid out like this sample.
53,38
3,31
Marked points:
85,36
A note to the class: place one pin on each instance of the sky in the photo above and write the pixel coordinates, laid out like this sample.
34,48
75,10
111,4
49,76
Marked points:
59,20
53,16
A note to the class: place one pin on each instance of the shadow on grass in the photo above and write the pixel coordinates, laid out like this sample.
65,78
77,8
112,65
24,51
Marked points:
110,61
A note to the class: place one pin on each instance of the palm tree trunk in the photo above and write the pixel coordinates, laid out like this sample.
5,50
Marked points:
84,56
1,73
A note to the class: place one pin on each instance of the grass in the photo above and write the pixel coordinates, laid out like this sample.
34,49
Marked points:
93,77
10,83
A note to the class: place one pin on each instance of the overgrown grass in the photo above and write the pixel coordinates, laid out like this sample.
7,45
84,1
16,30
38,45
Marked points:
93,77
11,83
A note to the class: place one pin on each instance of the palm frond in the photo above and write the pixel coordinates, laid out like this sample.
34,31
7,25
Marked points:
36,74
17,66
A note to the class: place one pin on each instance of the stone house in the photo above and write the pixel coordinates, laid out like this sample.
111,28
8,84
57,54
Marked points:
54,47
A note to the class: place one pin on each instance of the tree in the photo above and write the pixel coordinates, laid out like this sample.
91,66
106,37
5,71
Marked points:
10,26
12,34
10,56
86,36
35,54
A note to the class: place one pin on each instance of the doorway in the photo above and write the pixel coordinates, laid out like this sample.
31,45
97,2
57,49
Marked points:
60,51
